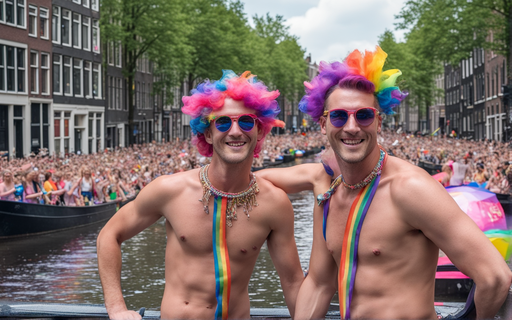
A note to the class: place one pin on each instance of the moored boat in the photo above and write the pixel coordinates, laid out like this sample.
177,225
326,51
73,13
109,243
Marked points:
25,219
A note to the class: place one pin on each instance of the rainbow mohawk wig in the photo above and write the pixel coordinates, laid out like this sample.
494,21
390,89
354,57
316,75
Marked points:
358,71
209,97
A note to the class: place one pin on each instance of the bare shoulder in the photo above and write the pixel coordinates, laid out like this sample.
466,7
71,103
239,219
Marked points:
168,186
269,193
413,192
405,178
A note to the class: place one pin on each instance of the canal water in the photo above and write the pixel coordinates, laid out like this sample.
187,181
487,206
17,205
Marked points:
62,267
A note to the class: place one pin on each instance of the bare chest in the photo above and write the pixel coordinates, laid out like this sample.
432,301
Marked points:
378,239
193,231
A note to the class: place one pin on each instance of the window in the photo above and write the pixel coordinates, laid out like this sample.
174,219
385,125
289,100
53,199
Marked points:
94,5
9,11
87,79
110,103
2,10
20,61
76,30
96,85
32,21
110,53
66,26
77,77
118,94
76,1
20,13
43,22
66,75
45,73
2,68
56,24
34,74
57,83
86,31
56,125
118,54
85,3
95,36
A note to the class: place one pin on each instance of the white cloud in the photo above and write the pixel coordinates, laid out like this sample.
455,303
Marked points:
333,28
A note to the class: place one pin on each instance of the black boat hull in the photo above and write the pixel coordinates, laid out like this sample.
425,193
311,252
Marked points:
23,219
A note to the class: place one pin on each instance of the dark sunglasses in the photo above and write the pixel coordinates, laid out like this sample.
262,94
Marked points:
364,116
245,121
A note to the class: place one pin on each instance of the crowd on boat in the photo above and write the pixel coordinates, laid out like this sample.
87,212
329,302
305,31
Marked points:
118,174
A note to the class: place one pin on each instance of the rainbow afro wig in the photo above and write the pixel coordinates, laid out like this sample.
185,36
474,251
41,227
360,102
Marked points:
209,97
357,71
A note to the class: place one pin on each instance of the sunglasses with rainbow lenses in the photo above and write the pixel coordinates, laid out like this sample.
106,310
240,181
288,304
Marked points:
364,116
245,121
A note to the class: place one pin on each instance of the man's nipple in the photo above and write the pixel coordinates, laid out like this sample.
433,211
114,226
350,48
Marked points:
182,238
376,252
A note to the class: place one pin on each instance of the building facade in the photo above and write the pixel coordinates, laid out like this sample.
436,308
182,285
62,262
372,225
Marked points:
25,90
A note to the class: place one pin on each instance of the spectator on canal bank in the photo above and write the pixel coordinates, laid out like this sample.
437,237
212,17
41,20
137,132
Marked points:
385,267
230,119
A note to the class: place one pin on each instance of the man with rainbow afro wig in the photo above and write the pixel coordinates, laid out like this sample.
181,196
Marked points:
209,97
212,244
380,223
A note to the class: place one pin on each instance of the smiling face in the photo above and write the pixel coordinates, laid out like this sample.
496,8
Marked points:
235,145
353,142
7,176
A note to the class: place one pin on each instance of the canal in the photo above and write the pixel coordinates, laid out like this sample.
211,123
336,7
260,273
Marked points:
62,267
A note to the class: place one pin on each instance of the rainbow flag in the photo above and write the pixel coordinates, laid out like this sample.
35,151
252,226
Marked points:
220,254
348,262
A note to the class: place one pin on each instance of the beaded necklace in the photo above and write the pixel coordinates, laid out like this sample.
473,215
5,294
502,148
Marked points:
377,170
245,199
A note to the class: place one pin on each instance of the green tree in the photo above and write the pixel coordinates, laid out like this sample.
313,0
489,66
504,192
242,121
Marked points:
280,59
418,69
218,39
451,29
155,29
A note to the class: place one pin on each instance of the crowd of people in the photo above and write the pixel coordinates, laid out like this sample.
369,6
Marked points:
485,164
115,175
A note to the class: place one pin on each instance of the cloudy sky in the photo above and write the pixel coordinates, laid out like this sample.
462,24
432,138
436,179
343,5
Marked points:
330,29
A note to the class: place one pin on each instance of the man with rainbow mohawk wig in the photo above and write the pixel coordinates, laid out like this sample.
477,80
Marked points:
212,244
380,223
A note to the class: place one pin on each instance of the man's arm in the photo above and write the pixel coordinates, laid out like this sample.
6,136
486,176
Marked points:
283,250
126,223
320,285
297,178
441,220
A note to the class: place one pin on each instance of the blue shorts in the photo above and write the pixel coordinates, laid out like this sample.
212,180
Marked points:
87,194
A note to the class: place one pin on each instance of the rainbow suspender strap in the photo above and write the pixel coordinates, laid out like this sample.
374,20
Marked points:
220,253
348,262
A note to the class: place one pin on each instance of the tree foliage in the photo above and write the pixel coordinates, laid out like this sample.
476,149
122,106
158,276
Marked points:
280,59
193,40
155,29
451,29
418,69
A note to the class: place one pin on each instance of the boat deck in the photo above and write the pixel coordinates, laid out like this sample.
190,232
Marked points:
83,311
